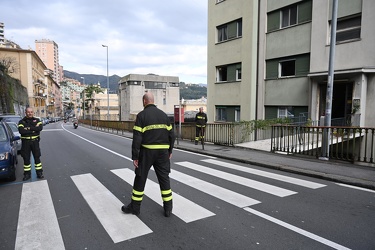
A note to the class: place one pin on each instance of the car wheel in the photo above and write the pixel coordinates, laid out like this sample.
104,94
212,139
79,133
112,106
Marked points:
12,175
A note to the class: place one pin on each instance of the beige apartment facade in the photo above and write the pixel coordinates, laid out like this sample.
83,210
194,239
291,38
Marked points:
48,51
133,86
35,77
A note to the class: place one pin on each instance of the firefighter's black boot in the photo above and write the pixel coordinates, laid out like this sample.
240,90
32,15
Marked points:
132,208
26,176
39,174
168,208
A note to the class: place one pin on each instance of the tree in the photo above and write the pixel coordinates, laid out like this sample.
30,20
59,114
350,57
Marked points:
89,94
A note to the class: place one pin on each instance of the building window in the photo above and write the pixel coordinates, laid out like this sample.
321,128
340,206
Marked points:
221,74
289,16
229,31
228,113
219,1
287,68
238,74
285,112
228,73
221,114
348,29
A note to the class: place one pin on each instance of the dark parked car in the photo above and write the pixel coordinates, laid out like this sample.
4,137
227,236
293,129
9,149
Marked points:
8,152
14,127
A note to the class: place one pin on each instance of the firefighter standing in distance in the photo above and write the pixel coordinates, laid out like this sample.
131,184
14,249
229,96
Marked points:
200,125
153,141
29,128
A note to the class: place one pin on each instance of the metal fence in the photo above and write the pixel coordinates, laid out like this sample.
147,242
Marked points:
351,144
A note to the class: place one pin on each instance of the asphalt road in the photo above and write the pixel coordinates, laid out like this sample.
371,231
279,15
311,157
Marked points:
218,204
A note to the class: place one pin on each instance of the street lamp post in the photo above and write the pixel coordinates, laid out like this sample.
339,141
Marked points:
106,46
83,97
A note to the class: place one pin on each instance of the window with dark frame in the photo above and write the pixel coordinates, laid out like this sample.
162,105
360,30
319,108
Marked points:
348,29
222,74
287,68
229,30
289,16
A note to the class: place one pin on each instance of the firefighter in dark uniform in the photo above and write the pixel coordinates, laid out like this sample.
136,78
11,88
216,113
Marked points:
153,141
200,125
29,128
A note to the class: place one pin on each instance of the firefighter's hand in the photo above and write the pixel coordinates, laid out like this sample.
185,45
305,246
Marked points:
135,163
170,155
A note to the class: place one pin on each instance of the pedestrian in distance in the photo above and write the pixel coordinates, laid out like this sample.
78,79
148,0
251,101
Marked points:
153,141
200,125
29,128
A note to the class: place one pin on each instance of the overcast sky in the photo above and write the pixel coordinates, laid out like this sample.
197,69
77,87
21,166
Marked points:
164,37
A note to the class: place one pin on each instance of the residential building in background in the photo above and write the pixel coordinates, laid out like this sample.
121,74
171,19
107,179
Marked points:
290,41
48,51
133,86
2,37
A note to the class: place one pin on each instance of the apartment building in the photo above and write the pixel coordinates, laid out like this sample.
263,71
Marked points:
291,46
48,51
2,37
133,86
35,77
232,60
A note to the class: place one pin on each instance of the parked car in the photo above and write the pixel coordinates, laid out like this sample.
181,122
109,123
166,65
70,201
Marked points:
8,152
14,127
10,118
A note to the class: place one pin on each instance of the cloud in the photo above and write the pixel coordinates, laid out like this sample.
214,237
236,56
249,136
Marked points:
162,37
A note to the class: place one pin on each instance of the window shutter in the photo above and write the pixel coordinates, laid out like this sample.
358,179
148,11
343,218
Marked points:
231,71
273,21
302,65
232,30
305,11
272,69
270,112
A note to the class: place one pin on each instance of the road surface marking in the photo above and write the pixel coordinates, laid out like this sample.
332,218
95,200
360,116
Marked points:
38,227
354,187
280,192
107,209
226,195
296,229
183,208
278,177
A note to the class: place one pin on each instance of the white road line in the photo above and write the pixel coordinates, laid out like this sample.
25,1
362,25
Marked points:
183,208
100,146
280,192
38,227
278,177
296,229
214,190
107,209
354,187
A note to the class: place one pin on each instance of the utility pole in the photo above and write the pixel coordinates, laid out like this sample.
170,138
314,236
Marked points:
328,111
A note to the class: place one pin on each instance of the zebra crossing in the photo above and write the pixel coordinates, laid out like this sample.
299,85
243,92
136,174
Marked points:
121,227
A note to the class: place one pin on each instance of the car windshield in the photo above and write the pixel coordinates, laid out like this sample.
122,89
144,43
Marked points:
13,126
3,134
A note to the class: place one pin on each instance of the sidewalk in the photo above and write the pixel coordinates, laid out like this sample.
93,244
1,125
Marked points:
258,153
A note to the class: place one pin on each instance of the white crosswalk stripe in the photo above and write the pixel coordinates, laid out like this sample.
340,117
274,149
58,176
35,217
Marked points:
186,210
279,177
281,192
226,195
107,209
38,227
36,200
